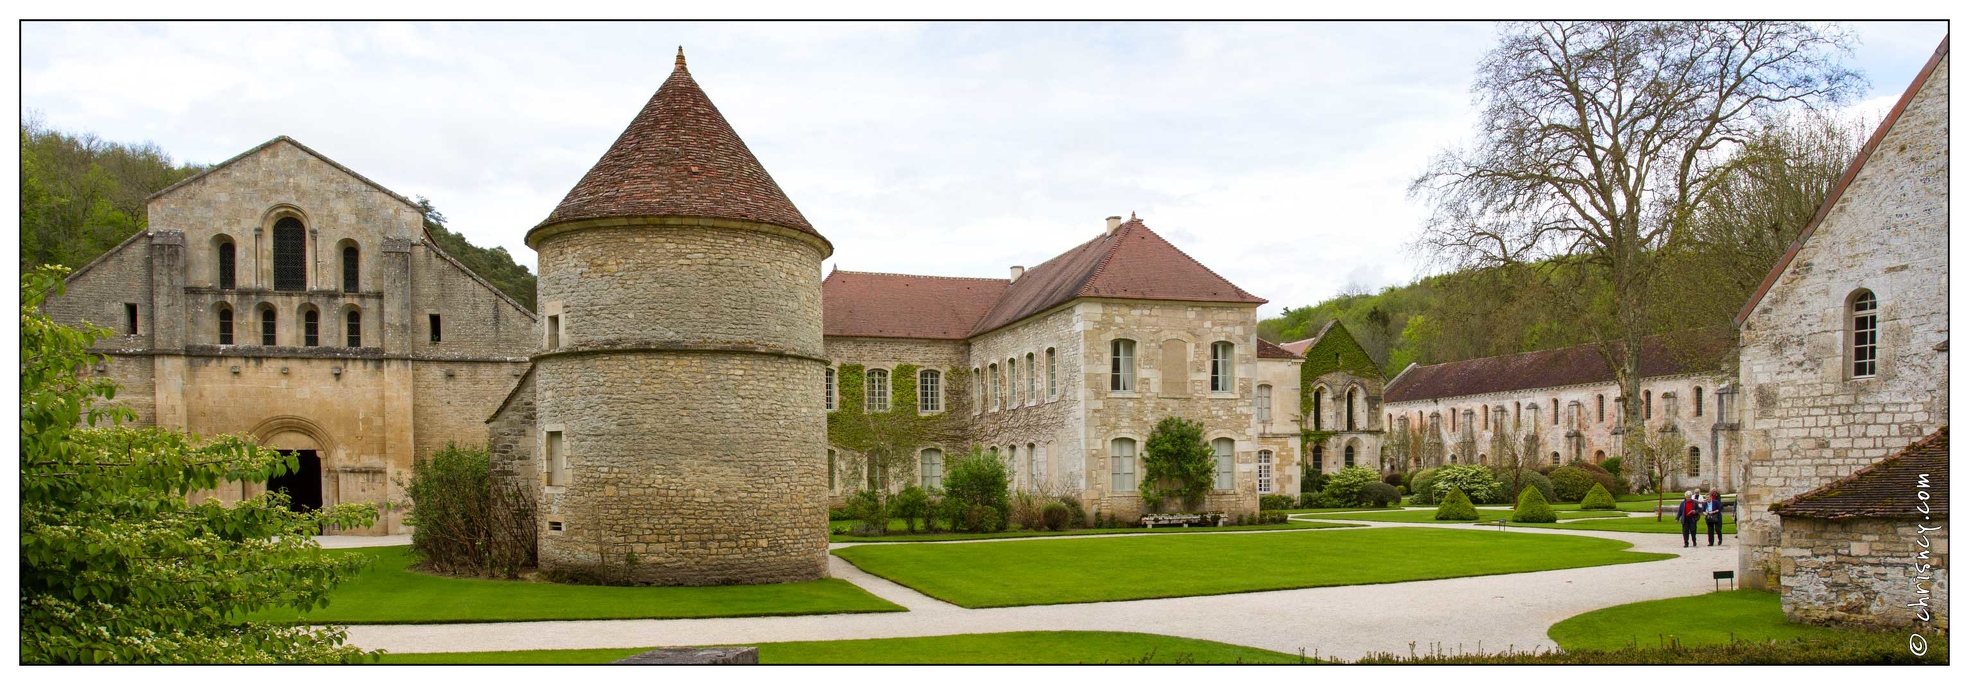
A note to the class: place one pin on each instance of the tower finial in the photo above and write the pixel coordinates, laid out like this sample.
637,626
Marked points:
680,57
1131,215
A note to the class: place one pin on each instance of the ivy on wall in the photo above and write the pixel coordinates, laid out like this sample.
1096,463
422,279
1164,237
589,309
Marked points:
889,441
1337,350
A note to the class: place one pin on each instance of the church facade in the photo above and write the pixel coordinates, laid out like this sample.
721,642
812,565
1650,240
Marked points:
285,297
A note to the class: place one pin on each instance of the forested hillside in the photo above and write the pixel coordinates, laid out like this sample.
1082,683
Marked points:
81,195
1736,236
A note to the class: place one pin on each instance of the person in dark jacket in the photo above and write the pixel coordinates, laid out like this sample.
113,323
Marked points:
1712,518
1686,513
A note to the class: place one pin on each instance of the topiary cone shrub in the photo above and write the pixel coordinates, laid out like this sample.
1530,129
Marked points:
1597,498
1456,506
1532,508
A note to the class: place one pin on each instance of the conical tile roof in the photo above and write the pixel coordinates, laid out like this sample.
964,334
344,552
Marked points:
679,157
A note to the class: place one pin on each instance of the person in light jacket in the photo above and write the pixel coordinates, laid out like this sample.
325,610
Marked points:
1712,518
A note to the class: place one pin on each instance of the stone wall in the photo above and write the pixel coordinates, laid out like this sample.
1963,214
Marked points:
1366,435
1879,572
948,356
1807,420
1280,436
511,434
1166,388
686,390
1036,429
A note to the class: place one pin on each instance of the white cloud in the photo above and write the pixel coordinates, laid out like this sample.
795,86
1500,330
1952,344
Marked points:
1276,153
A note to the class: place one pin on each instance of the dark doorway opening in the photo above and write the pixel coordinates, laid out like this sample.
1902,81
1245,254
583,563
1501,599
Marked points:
303,486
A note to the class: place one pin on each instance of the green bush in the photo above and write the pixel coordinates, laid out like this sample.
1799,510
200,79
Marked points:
1512,481
1393,478
972,481
1344,488
465,523
1379,495
839,514
1456,506
1571,483
1267,518
1597,498
1422,486
1532,508
911,504
1615,486
1309,500
1475,481
1611,465
1077,514
1177,465
870,512
1267,502
1312,482
1056,515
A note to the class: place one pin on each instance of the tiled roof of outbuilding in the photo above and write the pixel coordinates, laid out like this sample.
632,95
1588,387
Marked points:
1692,351
679,157
878,305
1889,489
1129,262
1267,350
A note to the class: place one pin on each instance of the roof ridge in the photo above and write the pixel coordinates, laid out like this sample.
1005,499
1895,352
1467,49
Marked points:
1206,268
891,273
1852,173
295,143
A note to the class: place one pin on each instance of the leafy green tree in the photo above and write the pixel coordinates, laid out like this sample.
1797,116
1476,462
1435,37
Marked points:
1532,508
1176,464
81,195
117,564
1456,506
973,484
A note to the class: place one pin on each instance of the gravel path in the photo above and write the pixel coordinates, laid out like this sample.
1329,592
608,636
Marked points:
1487,612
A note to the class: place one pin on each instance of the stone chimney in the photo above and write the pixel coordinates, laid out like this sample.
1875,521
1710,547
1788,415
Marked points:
1114,222
1018,271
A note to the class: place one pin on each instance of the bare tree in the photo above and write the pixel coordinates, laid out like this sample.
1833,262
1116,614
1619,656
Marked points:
1598,140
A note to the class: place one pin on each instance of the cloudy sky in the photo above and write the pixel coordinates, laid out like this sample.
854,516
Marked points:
1276,153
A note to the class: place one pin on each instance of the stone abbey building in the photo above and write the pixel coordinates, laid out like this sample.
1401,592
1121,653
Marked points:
282,296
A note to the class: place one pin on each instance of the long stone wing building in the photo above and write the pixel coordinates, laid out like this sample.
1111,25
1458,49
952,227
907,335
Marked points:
1063,370
282,296
1844,363
1555,406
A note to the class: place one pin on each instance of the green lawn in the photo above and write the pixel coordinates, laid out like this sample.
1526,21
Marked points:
1635,524
1049,647
1029,572
1710,619
1022,533
1429,515
388,592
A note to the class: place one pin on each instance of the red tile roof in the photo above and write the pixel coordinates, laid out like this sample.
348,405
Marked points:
679,157
1839,189
1692,351
1130,262
1299,347
1267,350
899,306
1886,490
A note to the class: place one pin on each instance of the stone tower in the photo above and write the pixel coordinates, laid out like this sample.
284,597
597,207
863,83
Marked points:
680,421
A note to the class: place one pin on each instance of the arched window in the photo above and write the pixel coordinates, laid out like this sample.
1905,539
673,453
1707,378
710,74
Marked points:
354,327
1347,456
1865,315
1601,402
1264,472
929,391
997,387
1555,458
1121,465
1452,458
932,468
1485,419
1599,456
827,390
1121,376
1032,380
1555,411
1052,374
977,390
1221,360
1226,450
1032,463
310,327
225,325
290,255
878,390
1012,381
351,268
1352,393
1264,404
1695,462
228,265
1698,400
267,326
1647,405
1483,459
1319,459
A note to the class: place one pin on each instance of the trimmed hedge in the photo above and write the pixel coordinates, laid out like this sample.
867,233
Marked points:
1421,485
1571,483
1597,498
1475,481
1269,502
1379,495
1456,507
1532,508
1514,482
